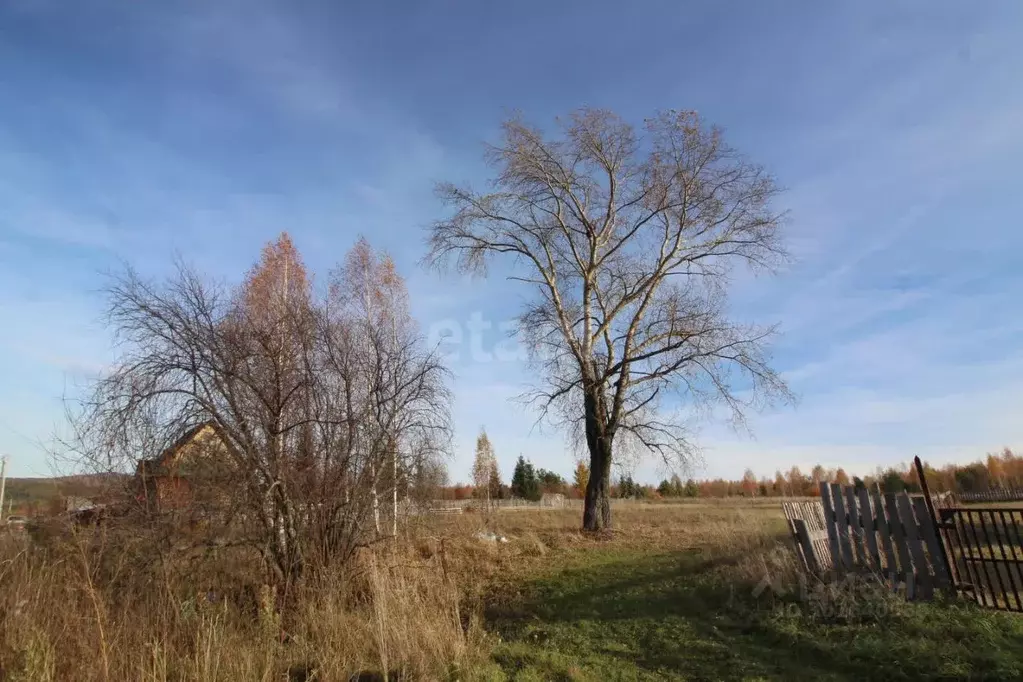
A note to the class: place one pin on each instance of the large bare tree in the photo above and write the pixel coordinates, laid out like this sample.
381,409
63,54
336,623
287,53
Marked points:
628,240
312,397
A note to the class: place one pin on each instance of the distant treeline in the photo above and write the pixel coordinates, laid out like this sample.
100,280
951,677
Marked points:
1001,470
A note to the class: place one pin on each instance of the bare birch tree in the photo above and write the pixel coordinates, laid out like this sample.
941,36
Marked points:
627,240
483,467
374,299
311,398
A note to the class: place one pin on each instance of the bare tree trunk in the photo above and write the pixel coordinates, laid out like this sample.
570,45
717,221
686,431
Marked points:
376,502
599,440
394,492
597,506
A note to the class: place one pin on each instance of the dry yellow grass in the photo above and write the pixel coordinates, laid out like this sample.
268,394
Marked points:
85,610
103,606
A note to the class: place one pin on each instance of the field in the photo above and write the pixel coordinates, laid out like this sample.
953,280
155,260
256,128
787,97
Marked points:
672,597
26,494
677,592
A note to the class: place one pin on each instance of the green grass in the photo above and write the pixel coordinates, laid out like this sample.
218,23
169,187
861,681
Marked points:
613,614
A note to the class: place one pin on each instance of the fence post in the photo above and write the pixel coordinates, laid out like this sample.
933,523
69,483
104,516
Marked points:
869,529
842,517
909,525
855,529
830,525
934,520
809,559
929,533
883,527
899,541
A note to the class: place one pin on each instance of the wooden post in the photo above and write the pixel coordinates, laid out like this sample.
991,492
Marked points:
929,532
884,528
916,548
942,555
843,526
869,530
855,532
809,558
830,525
899,541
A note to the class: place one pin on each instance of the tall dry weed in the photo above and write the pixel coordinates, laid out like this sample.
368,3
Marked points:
91,606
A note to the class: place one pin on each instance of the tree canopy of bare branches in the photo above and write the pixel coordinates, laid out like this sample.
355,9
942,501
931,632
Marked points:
484,466
628,239
313,397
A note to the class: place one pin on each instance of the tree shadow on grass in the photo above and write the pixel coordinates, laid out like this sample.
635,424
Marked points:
669,616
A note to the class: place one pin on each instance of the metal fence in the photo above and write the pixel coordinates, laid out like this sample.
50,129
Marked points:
995,495
986,554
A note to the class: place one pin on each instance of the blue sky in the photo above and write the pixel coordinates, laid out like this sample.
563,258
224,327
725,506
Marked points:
130,131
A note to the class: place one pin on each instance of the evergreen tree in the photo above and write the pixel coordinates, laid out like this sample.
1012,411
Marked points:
677,489
518,477
550,481
525,483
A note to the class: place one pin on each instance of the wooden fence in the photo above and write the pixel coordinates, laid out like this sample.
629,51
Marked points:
548,501
854,530
996,495
809,530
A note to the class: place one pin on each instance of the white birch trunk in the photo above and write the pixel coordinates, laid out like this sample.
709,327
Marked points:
376,502
394,492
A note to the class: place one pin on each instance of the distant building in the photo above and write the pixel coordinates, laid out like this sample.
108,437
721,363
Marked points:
73,504
555,500
169,480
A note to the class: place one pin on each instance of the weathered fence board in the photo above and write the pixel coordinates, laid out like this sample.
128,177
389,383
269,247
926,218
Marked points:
899,540
919,572
855,528
935,554
891,564
859,531
806,521
831,528
870,531
843,528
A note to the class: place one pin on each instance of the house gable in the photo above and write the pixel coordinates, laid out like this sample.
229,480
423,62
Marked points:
164,481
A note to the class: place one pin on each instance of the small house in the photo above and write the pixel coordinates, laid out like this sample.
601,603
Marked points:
168,481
